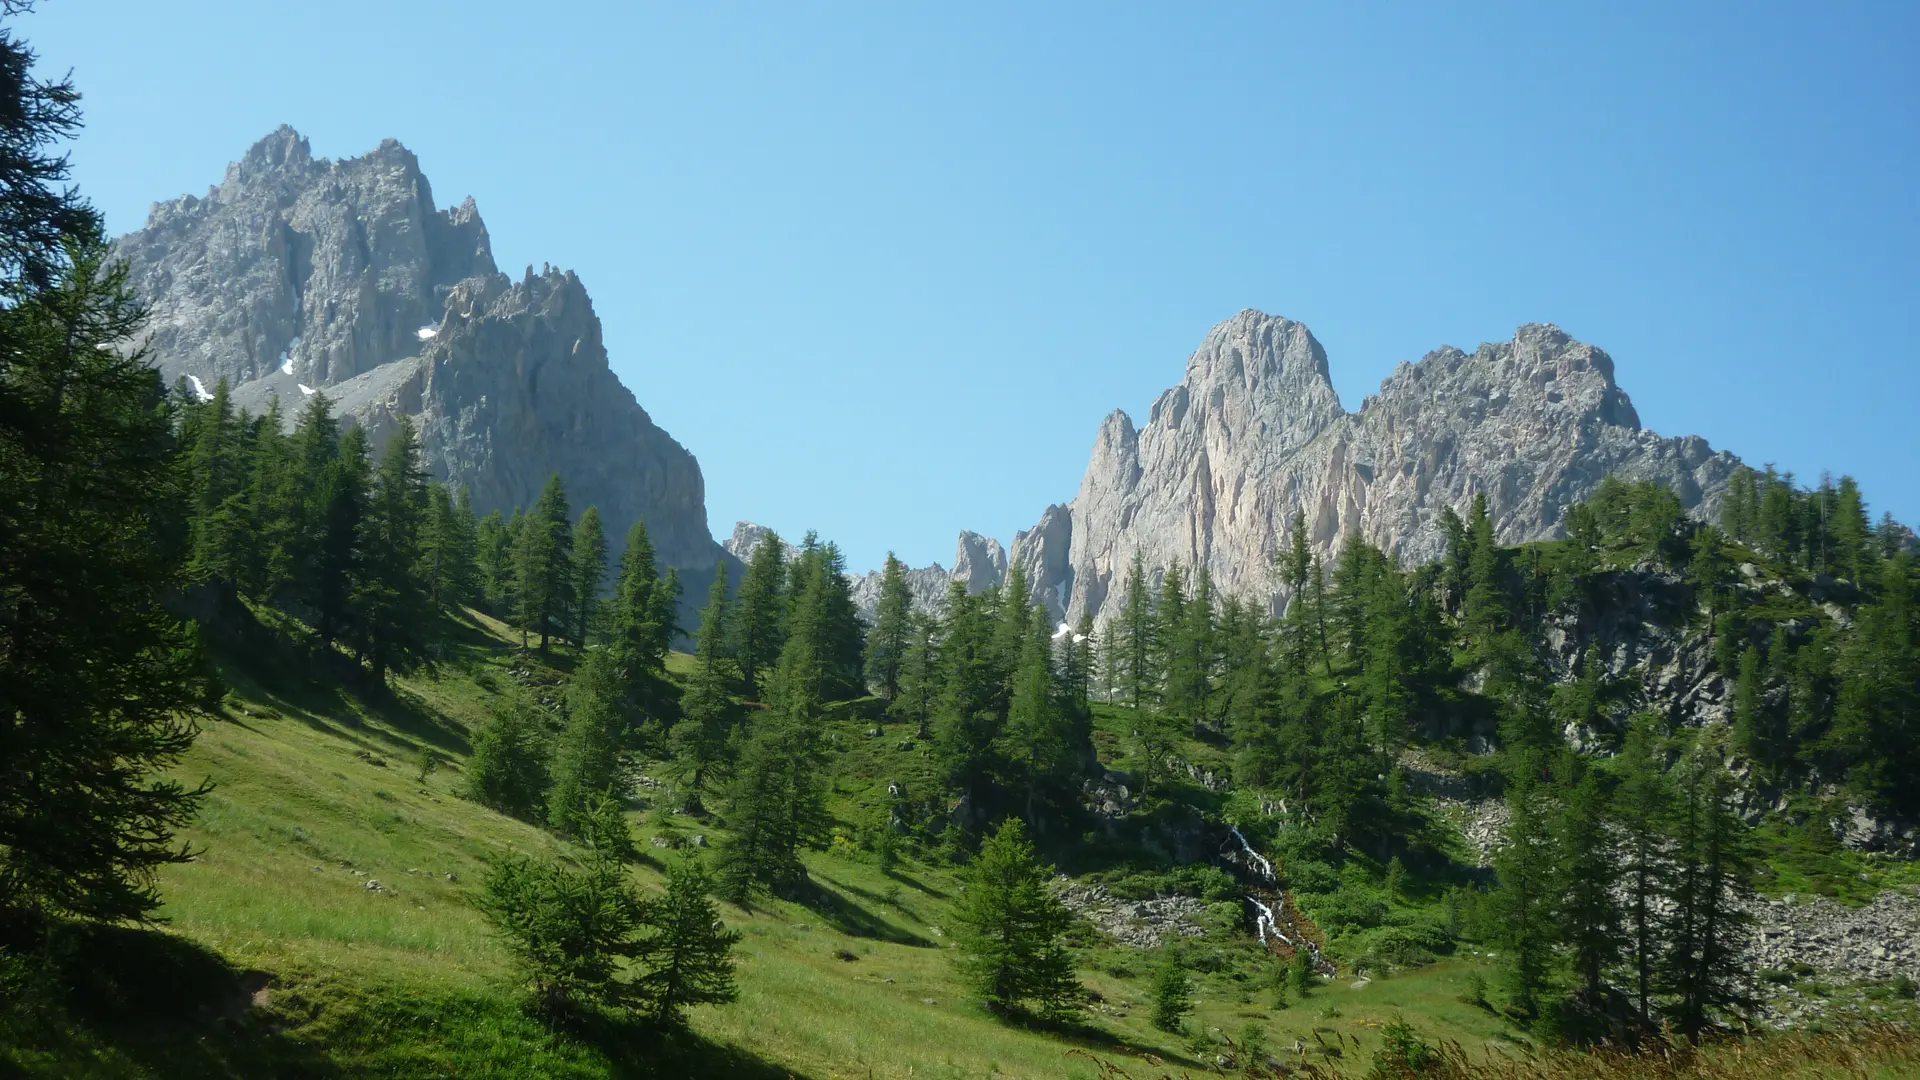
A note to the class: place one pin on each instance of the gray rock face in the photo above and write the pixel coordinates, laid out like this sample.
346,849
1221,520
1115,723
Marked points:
746,540
1255,435
299,275
1044,555
981,562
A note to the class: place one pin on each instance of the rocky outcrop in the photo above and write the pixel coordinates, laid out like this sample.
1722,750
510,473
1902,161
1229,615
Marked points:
1138,924
746,540
981,562
1255,435
1044,556
300,275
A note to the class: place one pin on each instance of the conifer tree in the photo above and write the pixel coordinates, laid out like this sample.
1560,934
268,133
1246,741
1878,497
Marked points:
339,513
1749,726
1172,991
1039,739
98,681
642,617
892,632
589,762
920,668
589,569
1486,611
543,564
1011,930
569,930
216,476
776,805
1879,691
1640,813
687,958
1133,646
757,627
274,508
437,548
508,770
390,598
699,741
1705,968
1525,899
1589,869
967,722
822,619
494,558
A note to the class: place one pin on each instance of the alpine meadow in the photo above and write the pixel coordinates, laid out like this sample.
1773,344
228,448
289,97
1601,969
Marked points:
375,700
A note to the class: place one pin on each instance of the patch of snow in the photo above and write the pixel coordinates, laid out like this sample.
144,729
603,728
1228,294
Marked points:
425,333
304,388
1065,631
286,363
199,388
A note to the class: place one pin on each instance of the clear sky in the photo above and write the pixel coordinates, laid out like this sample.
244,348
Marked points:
884,267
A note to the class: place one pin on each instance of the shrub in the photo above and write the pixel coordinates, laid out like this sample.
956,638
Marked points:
568,930
1172,992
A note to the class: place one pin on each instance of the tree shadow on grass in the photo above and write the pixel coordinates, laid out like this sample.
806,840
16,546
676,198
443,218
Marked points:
168,1004
1084,1034
915,883
326,689
640,1051
850,918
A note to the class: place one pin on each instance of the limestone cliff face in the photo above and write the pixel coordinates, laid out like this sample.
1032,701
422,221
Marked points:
1255,434
299,275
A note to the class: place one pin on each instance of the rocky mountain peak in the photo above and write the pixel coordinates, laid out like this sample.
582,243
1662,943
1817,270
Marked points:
1254,435
301,275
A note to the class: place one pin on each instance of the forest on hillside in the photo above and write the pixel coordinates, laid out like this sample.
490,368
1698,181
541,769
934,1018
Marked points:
1668,710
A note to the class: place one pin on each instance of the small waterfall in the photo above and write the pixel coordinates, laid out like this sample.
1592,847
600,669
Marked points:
1266,923
1258,860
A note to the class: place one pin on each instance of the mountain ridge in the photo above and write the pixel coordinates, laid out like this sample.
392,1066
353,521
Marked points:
1255,434
299,275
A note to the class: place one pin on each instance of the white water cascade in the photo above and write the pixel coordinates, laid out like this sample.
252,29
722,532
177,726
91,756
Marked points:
1265,923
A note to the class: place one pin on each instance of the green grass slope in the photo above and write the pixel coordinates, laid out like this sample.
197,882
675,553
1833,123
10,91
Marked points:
328,927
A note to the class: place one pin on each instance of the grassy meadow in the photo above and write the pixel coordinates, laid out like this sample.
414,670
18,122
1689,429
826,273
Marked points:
327,928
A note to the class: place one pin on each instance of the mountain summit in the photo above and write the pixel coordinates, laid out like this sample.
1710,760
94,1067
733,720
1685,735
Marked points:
298,275
1255,435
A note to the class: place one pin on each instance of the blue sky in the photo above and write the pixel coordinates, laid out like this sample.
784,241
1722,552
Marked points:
883,268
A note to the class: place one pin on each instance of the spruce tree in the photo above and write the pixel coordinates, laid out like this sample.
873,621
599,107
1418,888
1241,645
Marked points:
589,569
1134,647
589,762
1589,870
1172,991
920,674
339,516
757,626
892,632
642,617
543,565
274,509
776,804
508,769
1705,968
493,549
699,742
1525,899
1040,744
1640,813
687,958
390,595
966,721
215,468
98,681
1011,930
